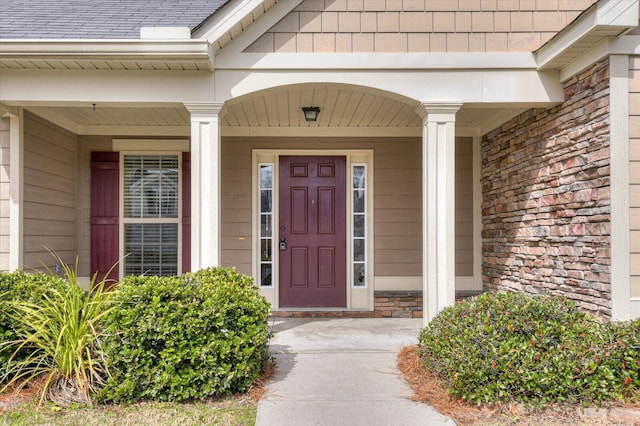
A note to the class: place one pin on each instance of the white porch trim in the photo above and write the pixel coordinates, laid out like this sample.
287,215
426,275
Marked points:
619,146
438,206
376,61
205,184
16,189
477,212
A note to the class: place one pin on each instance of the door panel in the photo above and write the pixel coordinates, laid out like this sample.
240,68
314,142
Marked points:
313,263
326,211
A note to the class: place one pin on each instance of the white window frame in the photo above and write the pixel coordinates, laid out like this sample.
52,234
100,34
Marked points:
123,220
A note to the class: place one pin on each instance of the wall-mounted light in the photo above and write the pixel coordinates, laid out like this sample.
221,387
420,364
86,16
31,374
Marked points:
311,113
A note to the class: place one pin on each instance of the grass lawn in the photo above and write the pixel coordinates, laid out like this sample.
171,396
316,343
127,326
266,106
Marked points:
232,411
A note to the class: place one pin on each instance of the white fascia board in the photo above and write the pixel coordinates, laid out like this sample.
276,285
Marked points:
61,49
86,87
617,15
376,61
225,19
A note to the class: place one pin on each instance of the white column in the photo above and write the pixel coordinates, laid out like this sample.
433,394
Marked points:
438,206
16,184
477,213
205,184
619,145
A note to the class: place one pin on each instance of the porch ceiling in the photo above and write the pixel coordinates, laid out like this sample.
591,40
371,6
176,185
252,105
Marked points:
341,107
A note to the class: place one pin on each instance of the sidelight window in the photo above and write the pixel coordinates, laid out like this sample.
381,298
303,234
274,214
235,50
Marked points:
265,272
359,224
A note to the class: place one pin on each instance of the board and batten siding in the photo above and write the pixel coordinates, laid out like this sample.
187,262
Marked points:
397,200
4,193
634,173
419,26
50,158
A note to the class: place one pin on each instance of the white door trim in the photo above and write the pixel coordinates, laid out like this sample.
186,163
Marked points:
358,299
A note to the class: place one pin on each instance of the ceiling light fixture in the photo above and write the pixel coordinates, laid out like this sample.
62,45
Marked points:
311,113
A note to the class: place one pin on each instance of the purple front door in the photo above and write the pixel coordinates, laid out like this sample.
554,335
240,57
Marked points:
312,236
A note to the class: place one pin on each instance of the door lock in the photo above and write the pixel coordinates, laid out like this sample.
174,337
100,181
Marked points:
283,244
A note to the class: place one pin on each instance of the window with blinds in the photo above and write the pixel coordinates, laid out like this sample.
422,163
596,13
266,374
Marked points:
150,213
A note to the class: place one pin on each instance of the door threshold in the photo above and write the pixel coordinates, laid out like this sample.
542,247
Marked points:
322,313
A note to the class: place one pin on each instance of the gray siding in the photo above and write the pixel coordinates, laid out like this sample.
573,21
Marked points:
49,192
397,200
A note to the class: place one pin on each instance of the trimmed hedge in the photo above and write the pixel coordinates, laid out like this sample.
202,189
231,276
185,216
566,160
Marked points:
537,349
22,286
195,336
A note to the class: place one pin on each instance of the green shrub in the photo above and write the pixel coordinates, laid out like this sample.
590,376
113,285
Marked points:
511,346
18,286
56,338
190,337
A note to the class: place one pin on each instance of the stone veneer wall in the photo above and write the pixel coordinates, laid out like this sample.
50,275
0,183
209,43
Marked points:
546,198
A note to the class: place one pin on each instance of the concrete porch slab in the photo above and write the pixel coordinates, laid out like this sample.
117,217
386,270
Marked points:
342,372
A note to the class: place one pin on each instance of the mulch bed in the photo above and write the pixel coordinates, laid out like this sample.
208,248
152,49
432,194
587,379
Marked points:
429,389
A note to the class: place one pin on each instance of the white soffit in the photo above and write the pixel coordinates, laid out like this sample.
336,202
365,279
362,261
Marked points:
187,55
605,19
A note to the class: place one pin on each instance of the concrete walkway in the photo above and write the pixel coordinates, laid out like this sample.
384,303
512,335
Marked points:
342,372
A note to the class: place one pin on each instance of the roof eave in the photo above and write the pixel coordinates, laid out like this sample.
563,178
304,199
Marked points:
605,19
232,19
55,52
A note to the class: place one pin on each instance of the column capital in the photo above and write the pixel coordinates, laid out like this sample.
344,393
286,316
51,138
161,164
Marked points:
438,111
7,111
204,110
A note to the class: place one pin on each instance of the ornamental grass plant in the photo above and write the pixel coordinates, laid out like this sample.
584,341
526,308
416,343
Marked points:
17,285
57,339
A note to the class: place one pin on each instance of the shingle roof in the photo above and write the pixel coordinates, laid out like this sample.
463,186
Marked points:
96,19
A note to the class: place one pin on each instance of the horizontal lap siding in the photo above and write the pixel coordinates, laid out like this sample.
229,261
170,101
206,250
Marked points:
634,171
464,207
397,200
4,193
397,207
49,192
419,26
